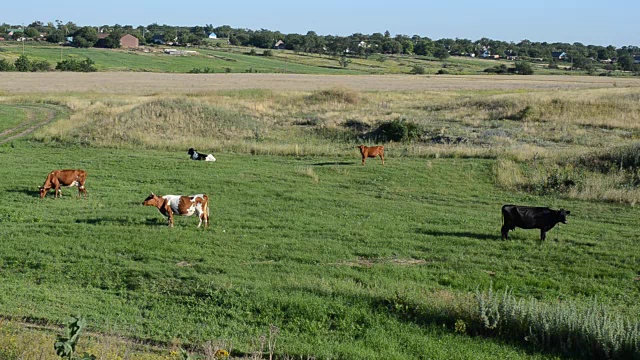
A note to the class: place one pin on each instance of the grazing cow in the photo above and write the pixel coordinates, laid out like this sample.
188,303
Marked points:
527,217
371,151
181,205
197,156
67,178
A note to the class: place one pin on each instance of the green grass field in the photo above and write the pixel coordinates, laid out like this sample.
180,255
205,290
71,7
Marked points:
237,59
320,247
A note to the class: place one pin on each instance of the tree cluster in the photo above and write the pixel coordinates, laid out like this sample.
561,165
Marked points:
361,45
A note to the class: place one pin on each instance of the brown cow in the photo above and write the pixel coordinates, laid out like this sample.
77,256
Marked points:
67,178
181,205
371,151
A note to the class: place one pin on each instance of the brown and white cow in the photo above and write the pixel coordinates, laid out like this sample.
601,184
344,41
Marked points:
67,178
371,151
180,205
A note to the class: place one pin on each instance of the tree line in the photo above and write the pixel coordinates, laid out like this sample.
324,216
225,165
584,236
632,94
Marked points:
362,45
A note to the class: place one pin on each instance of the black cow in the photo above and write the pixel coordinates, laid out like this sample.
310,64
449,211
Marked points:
527,217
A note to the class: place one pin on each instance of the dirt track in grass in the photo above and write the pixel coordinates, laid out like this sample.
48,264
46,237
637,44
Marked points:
148,83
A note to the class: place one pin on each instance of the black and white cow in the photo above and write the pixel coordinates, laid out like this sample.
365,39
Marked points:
197,156
527,217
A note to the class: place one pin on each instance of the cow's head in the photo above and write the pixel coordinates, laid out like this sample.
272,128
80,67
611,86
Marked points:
562,213
43,191
361,147
151,200
191,151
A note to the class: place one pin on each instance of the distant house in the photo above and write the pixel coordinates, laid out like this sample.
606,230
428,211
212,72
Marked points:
636,59
158,39
213,36
363,44
279,45
558,55
126,41
485,54
129,41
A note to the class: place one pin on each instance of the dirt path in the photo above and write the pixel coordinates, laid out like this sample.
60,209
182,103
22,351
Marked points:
149,83
32,123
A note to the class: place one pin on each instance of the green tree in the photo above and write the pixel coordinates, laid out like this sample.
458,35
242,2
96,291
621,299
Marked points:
85,37
113,40
440,52
523,68
344,61
55,36
625,61
31,32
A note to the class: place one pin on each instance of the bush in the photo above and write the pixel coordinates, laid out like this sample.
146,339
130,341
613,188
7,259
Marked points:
85,65
418,70
498,69
23,64
6,66
40,65
252,52
442,72
267,53
397,130
523,68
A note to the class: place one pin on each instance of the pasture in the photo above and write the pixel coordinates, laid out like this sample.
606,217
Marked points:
335,259
317,247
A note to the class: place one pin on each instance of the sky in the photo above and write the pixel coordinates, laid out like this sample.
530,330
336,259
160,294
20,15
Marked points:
589,22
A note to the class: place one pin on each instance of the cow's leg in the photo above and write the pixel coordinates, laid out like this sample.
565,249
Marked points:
543,234
170,219
505,232
58,192
363,158
200,216
382,158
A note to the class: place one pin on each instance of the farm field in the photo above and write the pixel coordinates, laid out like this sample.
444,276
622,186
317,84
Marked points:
334,259
237,59
151,83
319,247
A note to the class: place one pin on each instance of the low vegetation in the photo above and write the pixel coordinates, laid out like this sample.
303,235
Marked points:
295,263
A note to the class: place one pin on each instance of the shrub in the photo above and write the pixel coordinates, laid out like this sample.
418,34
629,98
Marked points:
397,130
85,65
442,72
267,53
40,65
418,70
523,68
498,69
23,64
252,52
6,66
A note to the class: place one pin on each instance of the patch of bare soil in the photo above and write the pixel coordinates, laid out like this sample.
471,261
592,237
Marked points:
368,262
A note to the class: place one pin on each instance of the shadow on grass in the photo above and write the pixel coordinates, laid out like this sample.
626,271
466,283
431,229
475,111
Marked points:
335,163
27,191
124,221
466,234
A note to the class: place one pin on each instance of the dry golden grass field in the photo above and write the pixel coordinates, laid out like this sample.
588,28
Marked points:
145,83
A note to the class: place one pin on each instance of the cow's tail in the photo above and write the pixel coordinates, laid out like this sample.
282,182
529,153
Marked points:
205,209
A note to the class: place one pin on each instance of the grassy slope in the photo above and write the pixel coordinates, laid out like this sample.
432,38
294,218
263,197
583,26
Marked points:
11,116
282,248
